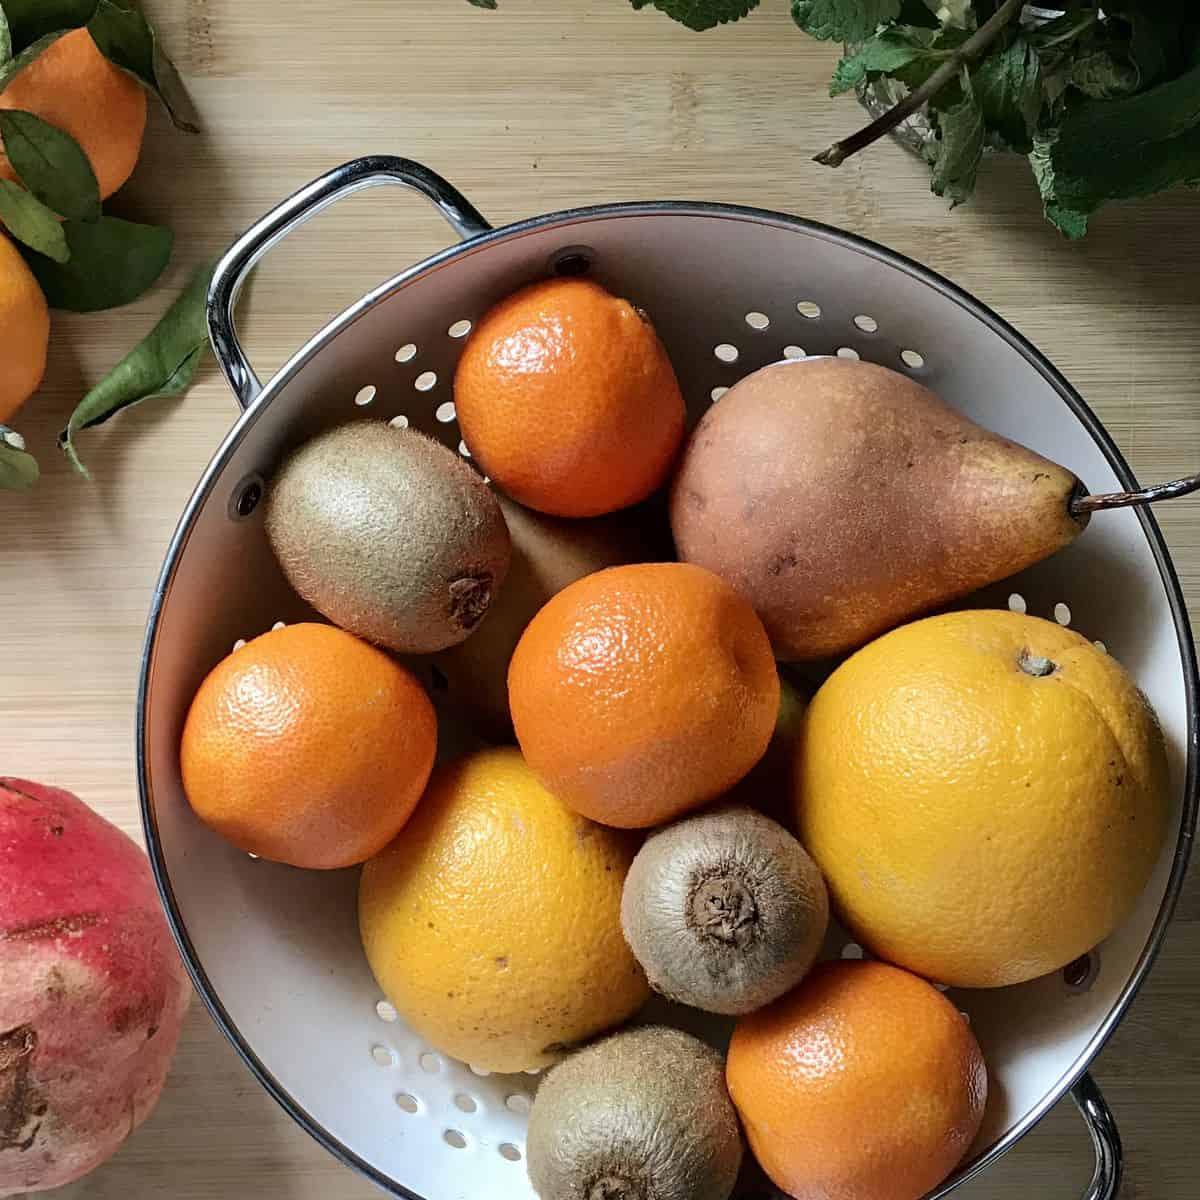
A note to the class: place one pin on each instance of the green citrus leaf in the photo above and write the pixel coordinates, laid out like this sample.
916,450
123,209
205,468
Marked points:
51,165
31,222
31,20
126,38
112,263
18,469
163,365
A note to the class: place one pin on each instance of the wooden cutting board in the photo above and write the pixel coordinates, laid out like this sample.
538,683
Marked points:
539,106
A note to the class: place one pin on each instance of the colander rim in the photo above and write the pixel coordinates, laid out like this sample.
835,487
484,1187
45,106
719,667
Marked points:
675,208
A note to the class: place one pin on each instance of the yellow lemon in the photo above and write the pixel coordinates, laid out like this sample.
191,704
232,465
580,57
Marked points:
986,794
493,923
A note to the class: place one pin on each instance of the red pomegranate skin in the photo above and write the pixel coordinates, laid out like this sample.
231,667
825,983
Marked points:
92,989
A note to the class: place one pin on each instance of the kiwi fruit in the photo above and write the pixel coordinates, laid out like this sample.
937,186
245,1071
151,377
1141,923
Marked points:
725,910
548,553
389,534
642,1115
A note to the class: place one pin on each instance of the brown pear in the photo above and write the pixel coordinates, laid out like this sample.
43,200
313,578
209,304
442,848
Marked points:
842,499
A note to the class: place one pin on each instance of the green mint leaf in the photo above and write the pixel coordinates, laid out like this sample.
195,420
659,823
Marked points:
484,4
18,63
163,365
958,148
112,263
126,38
18,469
701,14
1096,73
1008,87
843,20
31,20
31,222
51,165
6,42
884,54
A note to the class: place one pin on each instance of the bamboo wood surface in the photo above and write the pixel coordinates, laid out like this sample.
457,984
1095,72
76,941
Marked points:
536,107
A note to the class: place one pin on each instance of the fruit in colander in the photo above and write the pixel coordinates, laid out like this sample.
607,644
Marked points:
92,990
724,910
641,1114
841,498
389,534
986,794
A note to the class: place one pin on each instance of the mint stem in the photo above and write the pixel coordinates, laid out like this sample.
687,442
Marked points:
970,50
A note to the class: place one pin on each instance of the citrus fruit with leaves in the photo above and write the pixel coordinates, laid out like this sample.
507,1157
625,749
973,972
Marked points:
73,87
568,401
863,1082
643,691
24,331
493,922
308,747
986,794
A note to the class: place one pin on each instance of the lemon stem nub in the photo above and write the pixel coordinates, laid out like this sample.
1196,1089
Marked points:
613,1187
1036,665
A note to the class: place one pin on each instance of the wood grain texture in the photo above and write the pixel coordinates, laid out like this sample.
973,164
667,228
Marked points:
536,107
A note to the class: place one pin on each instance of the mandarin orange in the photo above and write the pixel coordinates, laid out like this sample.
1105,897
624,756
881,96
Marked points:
308,747
643,691
568,401
863,1083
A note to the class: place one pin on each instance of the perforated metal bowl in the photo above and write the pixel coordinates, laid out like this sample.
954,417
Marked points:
275,952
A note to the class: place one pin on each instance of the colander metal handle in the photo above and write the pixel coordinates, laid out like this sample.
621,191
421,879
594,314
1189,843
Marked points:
235,266
1106,1139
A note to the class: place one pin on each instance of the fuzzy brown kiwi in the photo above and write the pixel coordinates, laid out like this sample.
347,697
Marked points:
389,534
725,911
642,1115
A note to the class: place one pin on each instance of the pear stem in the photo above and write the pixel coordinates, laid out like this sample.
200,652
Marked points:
1150,495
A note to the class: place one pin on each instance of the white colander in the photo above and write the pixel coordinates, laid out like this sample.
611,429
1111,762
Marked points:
275,952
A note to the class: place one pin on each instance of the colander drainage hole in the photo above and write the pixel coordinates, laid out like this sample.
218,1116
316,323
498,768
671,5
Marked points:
482,1072
866,324
1081,974
1016,603
430,1063
757,320
382,1055
1102,647
446,412
452,1137
406,353
794,352
278,626
518,1103
399,422
510,1152
810,310
1062,614
386,1012
365,395
726,352
966,1016
426,382
465,1103
717,393
239,643
464,450
459,329
913,359
848,352
852,950
409,1104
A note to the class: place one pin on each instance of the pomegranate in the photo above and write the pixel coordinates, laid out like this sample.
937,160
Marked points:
92,991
